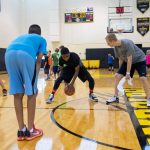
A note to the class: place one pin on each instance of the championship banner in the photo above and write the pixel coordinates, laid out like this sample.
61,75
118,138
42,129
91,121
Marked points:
142,5
143,25
79,16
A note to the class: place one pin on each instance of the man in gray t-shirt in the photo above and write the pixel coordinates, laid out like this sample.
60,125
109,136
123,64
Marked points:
131,58
128,48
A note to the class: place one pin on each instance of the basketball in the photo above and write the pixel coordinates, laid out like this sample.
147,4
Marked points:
69,90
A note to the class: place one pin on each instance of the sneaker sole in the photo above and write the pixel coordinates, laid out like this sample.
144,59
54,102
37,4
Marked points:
107,103
21,139
49,102
32,138
96,100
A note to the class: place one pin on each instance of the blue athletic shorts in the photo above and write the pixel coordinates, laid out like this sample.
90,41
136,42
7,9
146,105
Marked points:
21,68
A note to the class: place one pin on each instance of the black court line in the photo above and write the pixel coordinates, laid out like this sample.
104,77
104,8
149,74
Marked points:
61,108
119,108
80,136
138,129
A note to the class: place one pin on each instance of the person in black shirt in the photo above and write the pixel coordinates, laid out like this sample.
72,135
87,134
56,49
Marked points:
71,67
48,65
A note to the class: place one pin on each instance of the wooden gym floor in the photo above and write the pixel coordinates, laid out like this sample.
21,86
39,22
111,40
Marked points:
75,123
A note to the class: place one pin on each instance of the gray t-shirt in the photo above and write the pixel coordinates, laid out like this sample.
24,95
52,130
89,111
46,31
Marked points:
128,48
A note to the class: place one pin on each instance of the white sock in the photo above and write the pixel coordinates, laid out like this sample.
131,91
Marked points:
31,130
23,129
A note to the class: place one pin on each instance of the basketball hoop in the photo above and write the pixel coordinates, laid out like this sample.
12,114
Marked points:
120,31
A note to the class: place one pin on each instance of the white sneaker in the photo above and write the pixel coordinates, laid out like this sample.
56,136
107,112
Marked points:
113,99
148,102
50,99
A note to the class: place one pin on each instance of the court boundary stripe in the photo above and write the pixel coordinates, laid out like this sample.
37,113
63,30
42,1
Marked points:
137,127
80,136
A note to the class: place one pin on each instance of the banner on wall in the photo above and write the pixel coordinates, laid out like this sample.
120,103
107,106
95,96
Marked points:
142,5
79,16
143,25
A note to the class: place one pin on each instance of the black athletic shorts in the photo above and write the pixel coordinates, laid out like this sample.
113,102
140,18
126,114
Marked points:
140,67
68,72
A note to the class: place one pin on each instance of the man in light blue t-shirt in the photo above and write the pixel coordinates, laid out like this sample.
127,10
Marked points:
131,58
23,67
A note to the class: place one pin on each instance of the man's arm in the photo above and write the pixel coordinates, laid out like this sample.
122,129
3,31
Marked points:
75,75
129,64
38,61
61,68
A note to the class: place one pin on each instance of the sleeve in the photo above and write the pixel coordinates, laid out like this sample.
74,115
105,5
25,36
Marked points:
76,60
129,48
61,62
42,47
116,52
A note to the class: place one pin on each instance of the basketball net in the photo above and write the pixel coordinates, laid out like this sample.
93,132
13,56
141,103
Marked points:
119,31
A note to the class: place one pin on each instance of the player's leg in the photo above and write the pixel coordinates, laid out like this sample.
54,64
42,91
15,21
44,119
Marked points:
141,69
4,91
118,76
55,71
85,75
30,75
65,75
55,87
16,88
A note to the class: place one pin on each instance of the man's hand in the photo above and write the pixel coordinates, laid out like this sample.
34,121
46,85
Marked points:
69,86
128,75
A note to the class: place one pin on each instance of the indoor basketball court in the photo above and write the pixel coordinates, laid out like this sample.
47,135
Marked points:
72,120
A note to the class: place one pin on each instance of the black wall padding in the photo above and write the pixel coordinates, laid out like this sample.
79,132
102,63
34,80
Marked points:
2,59
102,55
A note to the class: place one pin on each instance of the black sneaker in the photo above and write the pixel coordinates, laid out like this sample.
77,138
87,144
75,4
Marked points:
20,135
4,91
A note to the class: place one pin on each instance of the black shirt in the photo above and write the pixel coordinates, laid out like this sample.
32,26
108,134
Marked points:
46,61
73,61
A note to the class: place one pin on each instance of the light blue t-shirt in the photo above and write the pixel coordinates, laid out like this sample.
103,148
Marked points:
30,43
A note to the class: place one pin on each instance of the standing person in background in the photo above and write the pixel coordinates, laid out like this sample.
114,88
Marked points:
131,58
55,57
23,69
110,62
48,65
148,60
4,91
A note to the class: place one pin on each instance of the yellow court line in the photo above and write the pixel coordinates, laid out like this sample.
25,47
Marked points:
142,113
136,100
146,131
144,122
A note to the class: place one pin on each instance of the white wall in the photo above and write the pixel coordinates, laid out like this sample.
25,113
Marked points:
17,15
44,13
80,36
9,21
